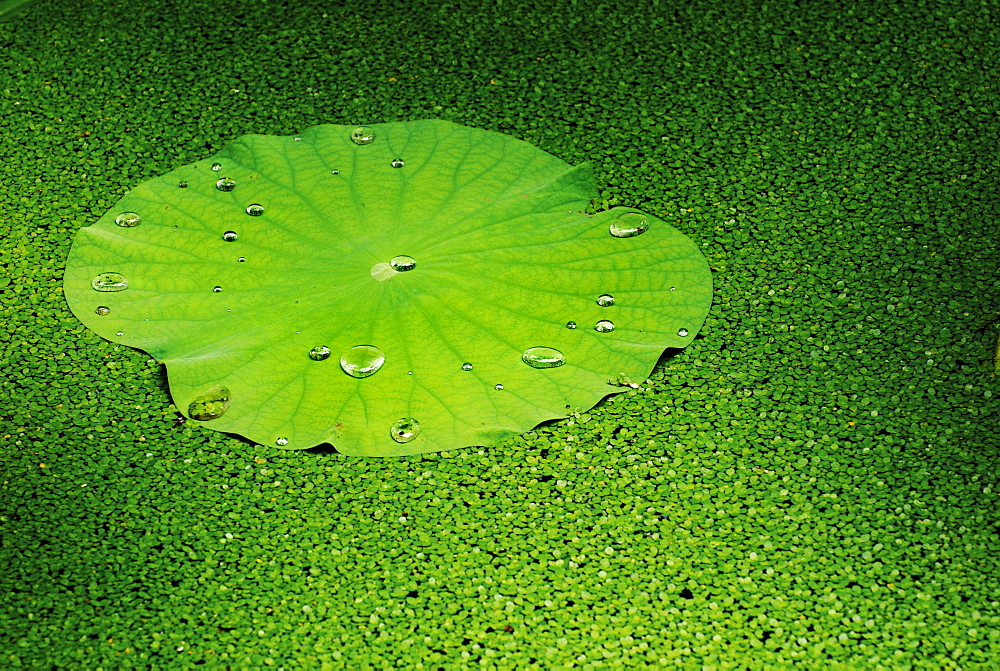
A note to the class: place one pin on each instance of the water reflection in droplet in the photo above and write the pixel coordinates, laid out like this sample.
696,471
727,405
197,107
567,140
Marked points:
363,135
255,209
604,326
210,405
225,184
319,353
404,430
403,263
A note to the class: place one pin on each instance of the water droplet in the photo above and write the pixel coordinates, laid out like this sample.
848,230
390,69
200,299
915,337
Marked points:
255,209
102,310
109,282
319,353
242,259
403,263
217,289
404,430
298,139
210,405
673,288
362,360
120,333
682,332
397,163
128,219
281,442
182,184
363,135
466,366
498,387
629,224
216,167
225,184
543,357
230,236
571,325
605,300
604,326
334,172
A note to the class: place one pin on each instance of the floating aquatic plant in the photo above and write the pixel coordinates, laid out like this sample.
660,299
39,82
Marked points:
391,289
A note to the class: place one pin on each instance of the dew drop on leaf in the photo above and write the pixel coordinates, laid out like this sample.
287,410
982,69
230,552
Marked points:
404,430
128,219
403,263
255,209
397,163
319,353
216,167
363,135
604,326
210,405
217,289
281,442
543,357
466,366
498,387
241,259
225,184
682,332
629,224
109,282
230,236
571,325
362,360
119,333
182,184
102,310
334,172
605,300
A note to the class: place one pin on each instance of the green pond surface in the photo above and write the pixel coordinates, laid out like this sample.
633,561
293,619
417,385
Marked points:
811,482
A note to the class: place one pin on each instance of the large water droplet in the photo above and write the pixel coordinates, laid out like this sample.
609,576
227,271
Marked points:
571,325
225,184
281,442
604,326
629,224
605,300
128,219
230,236
403,263
466,366
363,135
210,405
319,353
103,310
404,430
109,282
543,357
255,209
362,360
682,332
397,163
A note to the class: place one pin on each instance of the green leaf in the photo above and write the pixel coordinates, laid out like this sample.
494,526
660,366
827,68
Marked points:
259,297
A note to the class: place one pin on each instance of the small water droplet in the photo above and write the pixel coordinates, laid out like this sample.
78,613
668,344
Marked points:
629,224
216,167
242,259
682,332
120,333
182,184
404,430
673,288
466,366
571,325
128,219
255,209
109,282
230,236
225,184
362,360
605,300
210,405
298,139
397,163
281,442
363,135
403,263
498,387
543,357
334,172
217,289
319,353
604,326
103,310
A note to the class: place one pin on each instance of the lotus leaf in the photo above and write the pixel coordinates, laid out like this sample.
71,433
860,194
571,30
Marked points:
392,289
